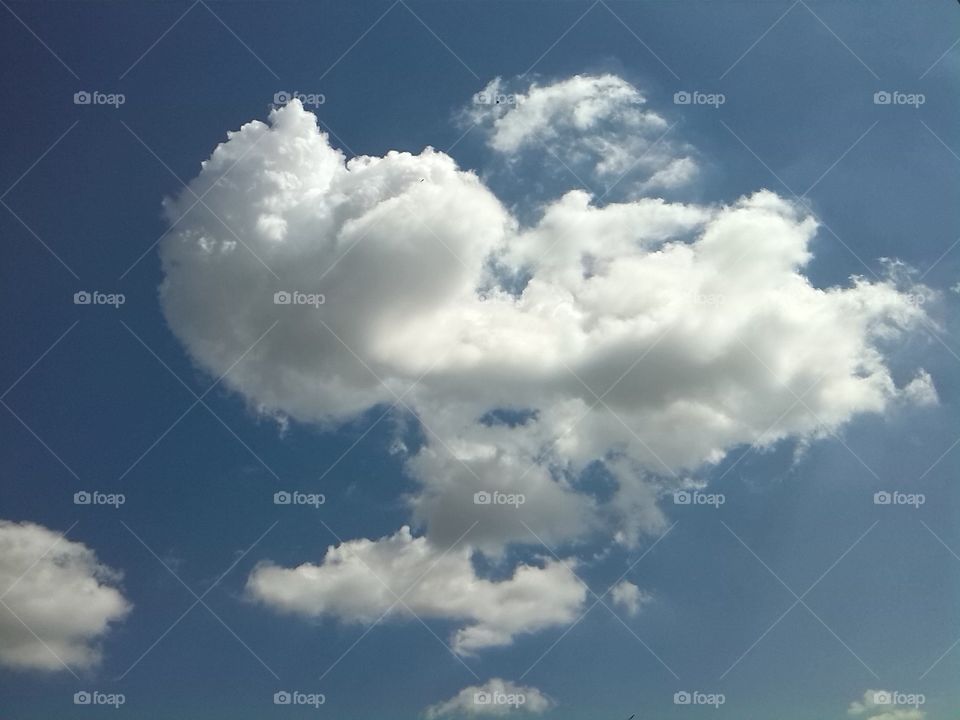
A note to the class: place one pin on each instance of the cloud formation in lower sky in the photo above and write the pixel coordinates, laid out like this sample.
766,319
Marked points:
498,697
494,698
640,341
58,600
400,575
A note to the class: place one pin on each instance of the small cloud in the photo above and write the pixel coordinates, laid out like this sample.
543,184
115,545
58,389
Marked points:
495,698
629,597
920,391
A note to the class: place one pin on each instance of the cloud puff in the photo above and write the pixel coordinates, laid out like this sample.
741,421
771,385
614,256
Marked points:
64,598
636,342
364,580
495,697
629,597
879,705
921,390
595,127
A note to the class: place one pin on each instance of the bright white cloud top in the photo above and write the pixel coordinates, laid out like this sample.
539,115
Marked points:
649,337
494,698
59,600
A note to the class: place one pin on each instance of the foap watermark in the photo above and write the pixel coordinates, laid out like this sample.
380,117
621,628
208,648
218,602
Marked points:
295,297
514,700
295,697
95,97
895,497
499,498
95,297
695,497
696,97
695,697
898,97
294,497
95,697
902,699
283,97
707,299
488,98
95,497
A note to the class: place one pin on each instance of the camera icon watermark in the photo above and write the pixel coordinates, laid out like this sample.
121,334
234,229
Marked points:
895,497
95,297
95,97
295,297
284,97
707,299
496,497
488,98
295,697
897,97
295,497
695,697
695,497
897,698
696,97
496,697
95,497
95,697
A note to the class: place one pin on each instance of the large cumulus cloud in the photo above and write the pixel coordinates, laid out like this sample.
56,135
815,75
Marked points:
58,600
641,340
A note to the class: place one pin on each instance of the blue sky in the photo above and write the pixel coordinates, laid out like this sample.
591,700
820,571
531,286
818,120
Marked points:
130,400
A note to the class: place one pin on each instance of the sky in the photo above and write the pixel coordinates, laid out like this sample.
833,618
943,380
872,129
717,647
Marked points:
459,360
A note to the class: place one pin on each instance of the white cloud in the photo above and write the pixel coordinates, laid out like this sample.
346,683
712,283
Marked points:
361,580
695,324
60,592
495,697
593,126
880,705
921,390
629,597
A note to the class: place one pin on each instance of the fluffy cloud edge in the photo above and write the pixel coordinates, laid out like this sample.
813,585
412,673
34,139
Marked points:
60,601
